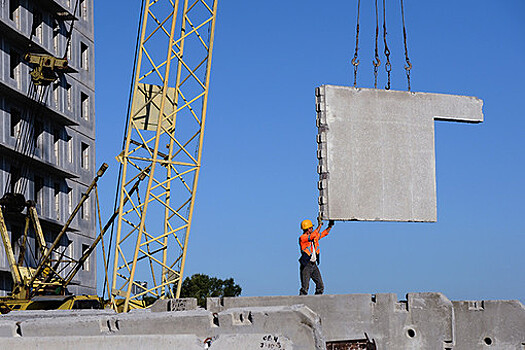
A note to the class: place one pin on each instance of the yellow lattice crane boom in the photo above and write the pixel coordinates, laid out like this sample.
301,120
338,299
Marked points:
163,148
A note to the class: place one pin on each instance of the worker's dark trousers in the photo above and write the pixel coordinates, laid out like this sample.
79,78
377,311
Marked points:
307,271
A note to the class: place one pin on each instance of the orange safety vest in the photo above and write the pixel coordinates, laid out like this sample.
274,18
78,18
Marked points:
305,240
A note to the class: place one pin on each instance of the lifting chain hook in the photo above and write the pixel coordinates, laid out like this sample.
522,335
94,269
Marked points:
408,66
355,61
388,66
376,62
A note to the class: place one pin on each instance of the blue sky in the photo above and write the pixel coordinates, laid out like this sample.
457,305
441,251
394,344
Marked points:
258,179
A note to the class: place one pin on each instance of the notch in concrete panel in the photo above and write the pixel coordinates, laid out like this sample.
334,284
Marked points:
9,329
380,154
402,306
476,305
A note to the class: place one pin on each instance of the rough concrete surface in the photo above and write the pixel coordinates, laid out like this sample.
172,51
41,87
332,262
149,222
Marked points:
290,327
118,342
422,321
376,151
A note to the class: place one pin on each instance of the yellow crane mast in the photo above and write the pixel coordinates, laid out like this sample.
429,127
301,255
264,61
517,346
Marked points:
162,149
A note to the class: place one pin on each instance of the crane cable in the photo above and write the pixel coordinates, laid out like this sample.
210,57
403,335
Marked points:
70,32
376,62
388,66
130,100
408,65
355,61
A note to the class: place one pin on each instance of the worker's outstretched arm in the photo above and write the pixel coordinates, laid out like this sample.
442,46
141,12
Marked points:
327,231
319,223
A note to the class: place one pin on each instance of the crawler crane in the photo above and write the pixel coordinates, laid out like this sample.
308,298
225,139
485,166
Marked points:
160,165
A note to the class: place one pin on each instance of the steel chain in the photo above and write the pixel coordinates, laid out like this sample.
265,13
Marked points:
355,61
376,62
388,66
408,65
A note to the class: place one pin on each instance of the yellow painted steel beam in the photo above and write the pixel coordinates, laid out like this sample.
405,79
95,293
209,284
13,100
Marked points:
15,272
164,143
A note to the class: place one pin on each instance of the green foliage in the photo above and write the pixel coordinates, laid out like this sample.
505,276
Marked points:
201,286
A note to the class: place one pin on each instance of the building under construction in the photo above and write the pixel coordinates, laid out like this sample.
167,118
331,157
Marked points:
47,132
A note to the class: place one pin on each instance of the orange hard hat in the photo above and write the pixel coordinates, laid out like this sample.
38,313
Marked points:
306,224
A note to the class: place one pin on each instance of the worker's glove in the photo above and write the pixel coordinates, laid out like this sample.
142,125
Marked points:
330,223
319,221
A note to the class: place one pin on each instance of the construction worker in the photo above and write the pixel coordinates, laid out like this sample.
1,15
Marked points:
309,244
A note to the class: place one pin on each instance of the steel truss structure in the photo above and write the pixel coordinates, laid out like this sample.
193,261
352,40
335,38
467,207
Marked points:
163,148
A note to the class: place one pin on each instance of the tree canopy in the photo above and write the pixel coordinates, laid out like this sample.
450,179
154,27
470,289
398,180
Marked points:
202,286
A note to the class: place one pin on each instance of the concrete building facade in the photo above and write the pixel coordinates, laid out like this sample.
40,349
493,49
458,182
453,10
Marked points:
63,164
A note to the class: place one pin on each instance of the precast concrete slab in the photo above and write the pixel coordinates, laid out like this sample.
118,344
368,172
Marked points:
251,341
135,342
8,328
489,324
423,321
297,324
376,151
23,315
181,304
291,327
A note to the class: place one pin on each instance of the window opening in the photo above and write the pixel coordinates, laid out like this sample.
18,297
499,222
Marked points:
38,24
68,93
70,149
38,189
84,56
85,105
84,162
38,128
56,144
57,199
69,200
15,177
14,62
15,122
56,95
85,265
13,7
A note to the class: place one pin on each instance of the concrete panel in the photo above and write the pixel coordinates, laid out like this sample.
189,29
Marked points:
295,326
181,304
376,151
25,315
139,342
251,341
424,321
198,322
498,324
7,328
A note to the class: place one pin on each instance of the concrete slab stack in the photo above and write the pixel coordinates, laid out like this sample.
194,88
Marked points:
423,321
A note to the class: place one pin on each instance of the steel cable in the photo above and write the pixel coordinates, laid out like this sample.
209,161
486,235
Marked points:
124,138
